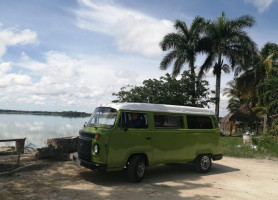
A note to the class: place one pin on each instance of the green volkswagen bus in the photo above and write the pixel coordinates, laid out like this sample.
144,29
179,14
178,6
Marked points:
133,136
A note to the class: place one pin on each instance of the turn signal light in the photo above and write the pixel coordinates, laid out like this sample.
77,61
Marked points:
97,136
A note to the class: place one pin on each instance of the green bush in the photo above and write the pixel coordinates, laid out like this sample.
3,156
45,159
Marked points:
268,144
263,147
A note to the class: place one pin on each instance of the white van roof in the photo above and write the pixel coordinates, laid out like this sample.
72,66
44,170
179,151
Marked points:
159,108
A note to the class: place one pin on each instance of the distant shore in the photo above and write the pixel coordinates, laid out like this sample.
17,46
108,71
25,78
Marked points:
47,113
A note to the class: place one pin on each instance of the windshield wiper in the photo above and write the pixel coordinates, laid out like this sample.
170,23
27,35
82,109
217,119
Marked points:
96,126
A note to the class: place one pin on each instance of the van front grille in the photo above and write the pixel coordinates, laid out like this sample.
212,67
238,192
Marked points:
84,149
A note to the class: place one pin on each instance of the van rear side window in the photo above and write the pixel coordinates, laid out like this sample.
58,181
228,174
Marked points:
168,121
199,122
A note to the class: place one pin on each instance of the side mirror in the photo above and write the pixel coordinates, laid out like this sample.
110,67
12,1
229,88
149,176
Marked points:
85,124
124,126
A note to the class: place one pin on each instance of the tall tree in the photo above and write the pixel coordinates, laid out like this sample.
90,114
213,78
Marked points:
269,56
183,47
225,39
167,90
268,95
234,93
246,84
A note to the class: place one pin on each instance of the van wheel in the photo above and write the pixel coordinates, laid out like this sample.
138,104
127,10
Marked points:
203,163
136,169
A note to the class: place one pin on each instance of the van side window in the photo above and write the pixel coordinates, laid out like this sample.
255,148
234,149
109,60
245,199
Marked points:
199,122
168,121
133,120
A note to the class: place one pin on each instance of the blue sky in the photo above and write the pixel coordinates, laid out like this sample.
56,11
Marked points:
72,55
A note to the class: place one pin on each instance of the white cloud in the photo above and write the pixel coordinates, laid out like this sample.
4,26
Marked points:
9,37
8,79
38,99
24,56
65,81
261,5
5,67
133,31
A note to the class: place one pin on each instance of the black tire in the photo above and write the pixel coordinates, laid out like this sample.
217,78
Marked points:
136,169
203,163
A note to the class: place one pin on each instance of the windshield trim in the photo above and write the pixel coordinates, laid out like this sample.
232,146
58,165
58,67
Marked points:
102,110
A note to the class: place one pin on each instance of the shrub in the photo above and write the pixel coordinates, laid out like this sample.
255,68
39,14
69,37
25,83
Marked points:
263,147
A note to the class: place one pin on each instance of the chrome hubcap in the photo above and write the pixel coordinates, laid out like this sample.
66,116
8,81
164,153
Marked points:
141,169
205,162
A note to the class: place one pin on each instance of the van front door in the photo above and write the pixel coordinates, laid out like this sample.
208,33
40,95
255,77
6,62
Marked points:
132,135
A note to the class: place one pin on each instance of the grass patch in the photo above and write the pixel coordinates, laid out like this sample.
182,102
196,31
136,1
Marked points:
263,147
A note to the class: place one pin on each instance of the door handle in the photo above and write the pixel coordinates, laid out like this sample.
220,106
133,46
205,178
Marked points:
148,138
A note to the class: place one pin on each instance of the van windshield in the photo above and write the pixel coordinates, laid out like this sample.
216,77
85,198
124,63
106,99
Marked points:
103,117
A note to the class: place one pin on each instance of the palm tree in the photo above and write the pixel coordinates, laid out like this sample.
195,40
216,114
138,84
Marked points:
269,55
263,68
183,46
226,39
256,87
234,93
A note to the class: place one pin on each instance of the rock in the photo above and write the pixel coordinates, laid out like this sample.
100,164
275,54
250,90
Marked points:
45,152
65,144
58,148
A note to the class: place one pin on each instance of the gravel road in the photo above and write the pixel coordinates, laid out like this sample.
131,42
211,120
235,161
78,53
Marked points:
230,178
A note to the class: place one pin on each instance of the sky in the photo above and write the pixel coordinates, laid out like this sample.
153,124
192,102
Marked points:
73,54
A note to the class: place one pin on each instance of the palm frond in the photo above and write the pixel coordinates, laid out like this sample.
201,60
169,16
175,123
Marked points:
171,41
243,22
206,66
168,59
181,27
181,59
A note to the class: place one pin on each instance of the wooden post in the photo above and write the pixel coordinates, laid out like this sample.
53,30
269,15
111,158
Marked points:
19,145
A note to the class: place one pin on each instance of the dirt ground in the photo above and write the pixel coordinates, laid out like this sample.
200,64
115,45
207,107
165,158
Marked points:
230,178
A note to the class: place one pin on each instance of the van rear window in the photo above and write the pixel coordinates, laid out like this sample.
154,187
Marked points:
199,122
168,121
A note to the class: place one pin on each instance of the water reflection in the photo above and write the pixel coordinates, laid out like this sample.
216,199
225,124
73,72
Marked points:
37,129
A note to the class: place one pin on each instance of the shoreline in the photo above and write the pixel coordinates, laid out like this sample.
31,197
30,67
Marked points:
71,114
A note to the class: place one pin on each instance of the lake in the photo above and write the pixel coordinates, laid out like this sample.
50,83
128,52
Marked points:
37,128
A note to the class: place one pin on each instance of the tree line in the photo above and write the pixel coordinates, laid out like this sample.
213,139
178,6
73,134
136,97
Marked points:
47,113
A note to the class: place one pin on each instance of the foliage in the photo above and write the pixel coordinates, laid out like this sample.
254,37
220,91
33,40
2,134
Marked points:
225,38
183,45
234,93
269,56
267,144
167,90
263,147
256,86
268,95
274,129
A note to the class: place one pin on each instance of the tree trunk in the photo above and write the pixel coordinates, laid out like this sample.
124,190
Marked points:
217,94
265,125
218,83
192,71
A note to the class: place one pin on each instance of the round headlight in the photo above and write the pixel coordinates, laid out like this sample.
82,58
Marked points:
96,148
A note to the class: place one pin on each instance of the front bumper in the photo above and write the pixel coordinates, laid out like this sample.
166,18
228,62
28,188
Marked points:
217,157
90,165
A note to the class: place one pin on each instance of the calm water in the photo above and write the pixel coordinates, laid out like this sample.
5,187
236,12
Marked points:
37,129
